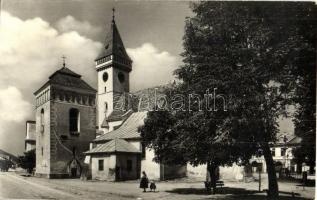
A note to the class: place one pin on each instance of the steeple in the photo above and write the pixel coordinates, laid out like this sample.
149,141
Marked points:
113,49
113,10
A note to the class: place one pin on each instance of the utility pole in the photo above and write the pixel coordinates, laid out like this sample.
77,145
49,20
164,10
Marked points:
259,170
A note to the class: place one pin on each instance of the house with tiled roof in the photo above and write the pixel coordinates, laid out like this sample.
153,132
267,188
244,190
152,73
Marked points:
282,153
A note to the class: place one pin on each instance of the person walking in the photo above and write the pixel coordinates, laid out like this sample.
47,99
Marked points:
144,182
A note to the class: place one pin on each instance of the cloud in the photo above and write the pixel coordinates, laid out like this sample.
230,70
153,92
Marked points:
151,67
69,23
30,51
12,105
14,111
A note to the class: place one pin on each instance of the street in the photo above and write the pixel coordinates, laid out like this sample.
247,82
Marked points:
14,186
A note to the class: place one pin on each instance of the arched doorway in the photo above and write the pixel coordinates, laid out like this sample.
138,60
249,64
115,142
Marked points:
74,169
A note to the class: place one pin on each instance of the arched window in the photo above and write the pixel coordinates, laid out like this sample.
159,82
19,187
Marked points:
42,121
74,120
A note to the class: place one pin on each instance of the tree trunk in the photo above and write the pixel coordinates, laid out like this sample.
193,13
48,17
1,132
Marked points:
212,169
273,186
311,169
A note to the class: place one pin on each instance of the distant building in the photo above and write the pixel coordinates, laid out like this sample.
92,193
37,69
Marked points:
65,124
282,153
30,136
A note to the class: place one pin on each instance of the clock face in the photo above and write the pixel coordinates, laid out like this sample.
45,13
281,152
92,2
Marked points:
105,76
121,77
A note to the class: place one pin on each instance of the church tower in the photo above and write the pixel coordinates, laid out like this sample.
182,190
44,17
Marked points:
65,124
113,66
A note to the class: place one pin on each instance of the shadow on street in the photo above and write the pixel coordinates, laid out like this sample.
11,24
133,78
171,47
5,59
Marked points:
234,193
202,191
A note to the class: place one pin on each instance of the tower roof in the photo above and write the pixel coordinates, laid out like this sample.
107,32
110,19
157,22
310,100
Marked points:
113,44
65,71
67,78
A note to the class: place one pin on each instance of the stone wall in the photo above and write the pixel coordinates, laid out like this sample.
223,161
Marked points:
63,143
172,171
43,140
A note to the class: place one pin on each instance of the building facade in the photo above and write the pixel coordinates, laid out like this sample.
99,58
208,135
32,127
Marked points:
30,136
282,153
65,124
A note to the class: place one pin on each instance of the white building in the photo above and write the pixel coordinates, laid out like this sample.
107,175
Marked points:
30,136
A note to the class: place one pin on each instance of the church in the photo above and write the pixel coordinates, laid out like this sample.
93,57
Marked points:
78,127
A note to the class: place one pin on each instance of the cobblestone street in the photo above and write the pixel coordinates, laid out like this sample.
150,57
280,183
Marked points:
13,186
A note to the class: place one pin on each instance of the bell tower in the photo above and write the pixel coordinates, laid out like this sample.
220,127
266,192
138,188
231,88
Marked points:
113,66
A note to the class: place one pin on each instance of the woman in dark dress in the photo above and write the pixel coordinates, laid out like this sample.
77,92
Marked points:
144,183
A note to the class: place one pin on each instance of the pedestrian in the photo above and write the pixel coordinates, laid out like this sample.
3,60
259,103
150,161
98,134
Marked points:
144,183
152,186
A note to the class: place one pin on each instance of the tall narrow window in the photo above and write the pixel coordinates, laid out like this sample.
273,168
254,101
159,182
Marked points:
42,151
100,165
283,151
42,120
74,121
273,152
106,107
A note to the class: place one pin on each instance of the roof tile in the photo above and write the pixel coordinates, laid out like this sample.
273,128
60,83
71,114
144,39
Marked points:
115,145
129,128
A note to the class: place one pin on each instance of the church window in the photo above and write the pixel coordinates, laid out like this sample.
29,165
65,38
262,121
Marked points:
105,76
74,120
129,165
42,120
121,77
100,165
42,151
105,89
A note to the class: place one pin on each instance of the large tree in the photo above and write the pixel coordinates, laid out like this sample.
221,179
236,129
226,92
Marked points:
304,96
246,52
27,161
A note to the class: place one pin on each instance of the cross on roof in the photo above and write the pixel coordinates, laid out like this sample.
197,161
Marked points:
64,58
113,11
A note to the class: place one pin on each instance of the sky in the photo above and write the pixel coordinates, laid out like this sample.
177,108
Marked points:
35,34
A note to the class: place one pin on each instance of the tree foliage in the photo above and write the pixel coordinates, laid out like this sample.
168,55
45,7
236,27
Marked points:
27,161
250,53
